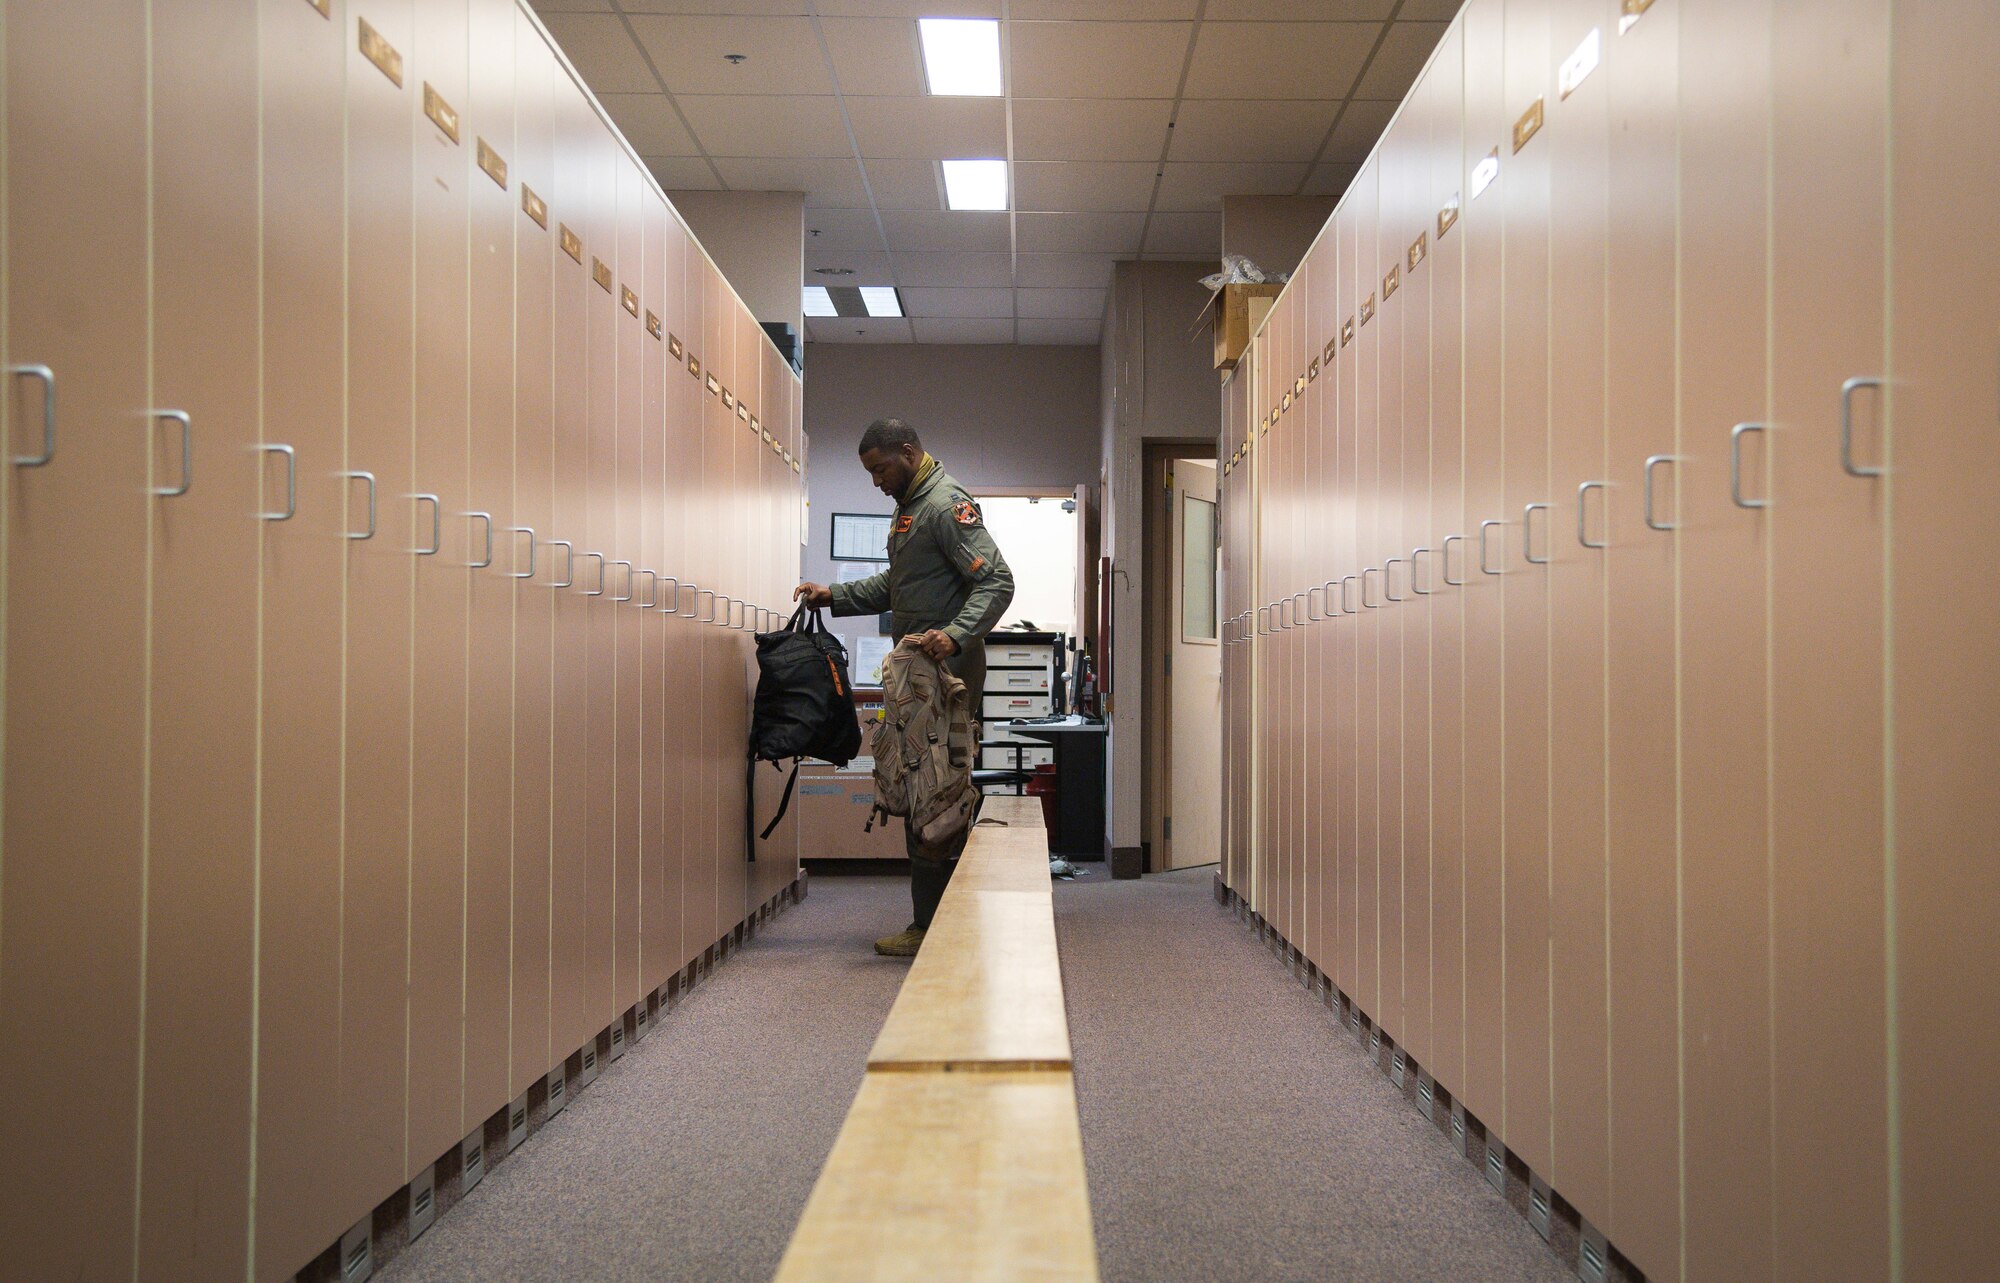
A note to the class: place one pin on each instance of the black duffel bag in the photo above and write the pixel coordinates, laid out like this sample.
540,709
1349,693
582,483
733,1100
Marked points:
805,700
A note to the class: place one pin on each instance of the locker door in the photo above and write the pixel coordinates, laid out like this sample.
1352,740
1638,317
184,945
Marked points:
735,704
1388,339
1580,1155
1482,224
659,915
1946,714
1347,568
1640,76
571,1018
1365,297
1444,188
201,833
698,791
374,893
532,1050
300,803
70,923
717,480
437,1118
595,574
490,736
1723,732
683,453
1317,271
629,620
1522,205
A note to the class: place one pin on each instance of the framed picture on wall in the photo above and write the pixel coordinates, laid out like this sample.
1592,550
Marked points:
861,536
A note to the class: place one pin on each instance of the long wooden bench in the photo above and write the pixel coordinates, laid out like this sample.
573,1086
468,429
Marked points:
961,1156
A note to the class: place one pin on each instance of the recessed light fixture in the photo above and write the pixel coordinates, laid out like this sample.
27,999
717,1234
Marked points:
1485,172
961,56
819,302
833,271
975,184
881,300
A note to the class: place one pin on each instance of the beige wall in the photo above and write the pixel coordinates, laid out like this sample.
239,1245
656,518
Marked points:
758,240
1274,232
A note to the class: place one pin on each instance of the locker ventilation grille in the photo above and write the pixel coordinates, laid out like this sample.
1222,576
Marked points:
1496,1168
475,1158
518,1119
422,1202
357,1256
1396,1066
557,1086
1538,1208
1590,1261
590,1058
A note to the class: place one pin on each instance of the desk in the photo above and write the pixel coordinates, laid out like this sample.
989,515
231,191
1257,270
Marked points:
1079,743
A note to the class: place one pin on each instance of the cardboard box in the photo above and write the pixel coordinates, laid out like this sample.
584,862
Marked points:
1238,313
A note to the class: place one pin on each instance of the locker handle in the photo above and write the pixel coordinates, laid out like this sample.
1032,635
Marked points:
599,591
1389,579
291,483
1651,463
1421,592
1582,522
653,589
699,593
437,524
530,572
569,561
369,477
1528,534
722,613
629,594
1312,618
1365,603
1847,391
486,517
675,598
1485,526
1343,594
1298,619
1278,615
1444,553
187,453
1736,435
47,378
1260,621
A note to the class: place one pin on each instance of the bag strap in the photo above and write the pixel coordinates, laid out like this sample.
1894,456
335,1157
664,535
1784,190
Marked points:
784,804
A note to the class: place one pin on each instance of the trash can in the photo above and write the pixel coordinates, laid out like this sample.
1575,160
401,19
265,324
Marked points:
1042,784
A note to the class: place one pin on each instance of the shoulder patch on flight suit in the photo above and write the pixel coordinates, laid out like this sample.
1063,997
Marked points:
965,513
903,523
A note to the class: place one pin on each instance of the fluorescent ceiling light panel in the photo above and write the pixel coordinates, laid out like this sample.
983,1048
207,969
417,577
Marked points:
881,300
819,302
975,184
961,56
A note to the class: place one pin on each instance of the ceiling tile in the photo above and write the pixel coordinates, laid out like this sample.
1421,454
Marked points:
1097,59
1279,59
1073,333
1185,234
781,8
929,229
827,183
1301,10
1238,130
1359,128
1075,305
1330,179
944,330
929,128
1431,10
781,55
1083,185
682,173
863,268
990,302
909,8
603,54
1064,271
749,125
954,269
571,6
1080,233
1202,185
1400,58
649,123
856,329
1104,10
844,228
878,56
906,184
1076,129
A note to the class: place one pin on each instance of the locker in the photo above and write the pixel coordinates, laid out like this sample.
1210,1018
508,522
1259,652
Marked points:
659,917
75,524
1363,298
699,912
1346,565
595,575
302,455
682,708
1317,271
377,691
621,602
194,1193
1393,558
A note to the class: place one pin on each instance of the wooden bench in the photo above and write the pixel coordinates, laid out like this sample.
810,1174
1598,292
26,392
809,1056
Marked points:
961,1156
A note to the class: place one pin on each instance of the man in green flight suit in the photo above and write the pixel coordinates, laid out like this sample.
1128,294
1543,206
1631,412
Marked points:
947,585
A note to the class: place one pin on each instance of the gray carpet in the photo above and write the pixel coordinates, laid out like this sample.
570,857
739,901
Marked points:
691,1157
1232,1132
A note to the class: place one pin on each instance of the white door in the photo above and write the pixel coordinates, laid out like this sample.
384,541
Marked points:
1194,674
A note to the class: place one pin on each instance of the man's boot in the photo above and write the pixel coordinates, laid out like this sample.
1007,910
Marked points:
904,944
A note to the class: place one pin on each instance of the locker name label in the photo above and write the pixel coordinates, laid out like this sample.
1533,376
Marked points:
383,54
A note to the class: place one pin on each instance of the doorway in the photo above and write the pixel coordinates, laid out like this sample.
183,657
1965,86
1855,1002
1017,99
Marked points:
1183,695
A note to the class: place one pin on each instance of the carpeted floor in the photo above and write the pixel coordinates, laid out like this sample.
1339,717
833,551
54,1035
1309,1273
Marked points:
691,1157
1232,1132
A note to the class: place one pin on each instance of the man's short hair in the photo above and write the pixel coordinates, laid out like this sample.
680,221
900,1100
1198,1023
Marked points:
889,436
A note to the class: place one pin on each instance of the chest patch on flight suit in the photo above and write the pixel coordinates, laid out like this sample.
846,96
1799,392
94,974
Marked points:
965,513
903,523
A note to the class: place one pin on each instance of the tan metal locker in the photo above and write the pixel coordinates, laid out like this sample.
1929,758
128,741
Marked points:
200,849
493,216
70,923
715,656
1641,83
1726,1073
627,255
1320,275
683,404
1487,122
437,69
596,576
1392,582
731,838
1576,138
698,791
1946,715
1520,200
1346,567
531,1049
375,888
659,915
300,844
